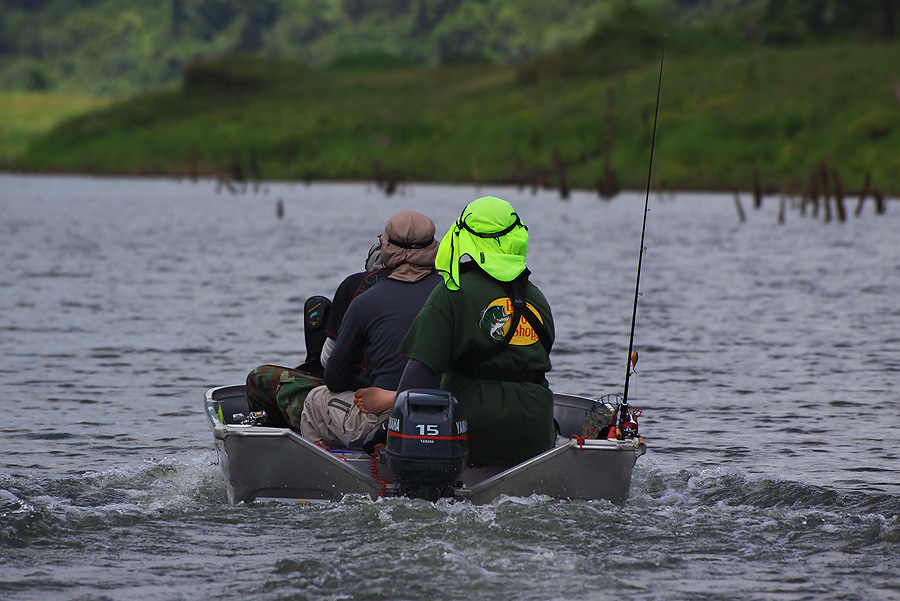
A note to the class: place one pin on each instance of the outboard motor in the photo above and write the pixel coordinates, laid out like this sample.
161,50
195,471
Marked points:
427,443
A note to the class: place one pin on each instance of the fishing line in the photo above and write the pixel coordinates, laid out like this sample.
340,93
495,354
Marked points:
632,359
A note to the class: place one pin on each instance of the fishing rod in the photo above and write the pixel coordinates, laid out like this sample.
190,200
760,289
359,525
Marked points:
632,356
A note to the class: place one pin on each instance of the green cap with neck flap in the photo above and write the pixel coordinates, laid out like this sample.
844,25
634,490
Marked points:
490,232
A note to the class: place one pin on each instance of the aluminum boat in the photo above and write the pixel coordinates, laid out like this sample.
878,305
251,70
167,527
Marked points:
263,464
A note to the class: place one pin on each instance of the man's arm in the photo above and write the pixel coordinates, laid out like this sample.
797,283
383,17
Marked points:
415,375
418,375
341,373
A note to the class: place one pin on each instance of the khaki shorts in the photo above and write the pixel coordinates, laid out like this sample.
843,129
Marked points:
332,418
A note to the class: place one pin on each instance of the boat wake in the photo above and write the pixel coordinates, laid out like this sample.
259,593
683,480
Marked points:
663,504
676,532
720,487
37,506
767,508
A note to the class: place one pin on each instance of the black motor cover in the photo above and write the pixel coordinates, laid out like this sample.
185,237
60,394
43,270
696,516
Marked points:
427,443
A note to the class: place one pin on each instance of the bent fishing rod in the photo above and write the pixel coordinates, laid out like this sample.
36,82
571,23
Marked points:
632,358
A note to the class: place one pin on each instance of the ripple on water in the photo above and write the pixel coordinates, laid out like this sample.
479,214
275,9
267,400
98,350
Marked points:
766,377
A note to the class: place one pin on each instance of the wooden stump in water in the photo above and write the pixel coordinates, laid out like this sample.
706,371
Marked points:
539,180
518,176
814,193
879,203
826,195
195,162
865,192
237,173
376,173
561,174
609,187
839,196
740,209
255,173
757,190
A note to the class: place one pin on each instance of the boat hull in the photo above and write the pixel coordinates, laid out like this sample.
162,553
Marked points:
262,463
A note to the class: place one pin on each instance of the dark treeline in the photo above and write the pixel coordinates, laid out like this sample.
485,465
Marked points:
122,46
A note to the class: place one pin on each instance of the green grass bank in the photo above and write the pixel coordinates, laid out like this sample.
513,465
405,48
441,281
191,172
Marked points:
26,116
777,112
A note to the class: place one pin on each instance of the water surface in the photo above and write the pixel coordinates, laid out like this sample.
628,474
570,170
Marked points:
768,361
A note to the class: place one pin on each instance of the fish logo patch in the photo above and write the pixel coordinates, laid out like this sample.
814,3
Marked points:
495,320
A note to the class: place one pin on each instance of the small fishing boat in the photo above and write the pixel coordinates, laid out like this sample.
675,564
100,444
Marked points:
426,444
264,464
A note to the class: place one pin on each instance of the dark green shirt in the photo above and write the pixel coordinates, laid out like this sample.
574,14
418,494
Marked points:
508,422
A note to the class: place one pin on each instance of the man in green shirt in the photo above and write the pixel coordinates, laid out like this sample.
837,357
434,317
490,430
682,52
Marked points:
489,332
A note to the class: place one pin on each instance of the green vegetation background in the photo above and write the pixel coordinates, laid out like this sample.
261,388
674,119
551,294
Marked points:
116,47
466,90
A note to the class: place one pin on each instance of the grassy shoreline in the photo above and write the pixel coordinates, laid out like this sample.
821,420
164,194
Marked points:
781,114
26,116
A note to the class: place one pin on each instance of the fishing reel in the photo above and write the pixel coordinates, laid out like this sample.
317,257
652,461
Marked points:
254,418
630,424
602,419
625,426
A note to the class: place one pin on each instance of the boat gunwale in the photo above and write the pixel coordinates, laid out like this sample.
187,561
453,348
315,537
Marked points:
348,458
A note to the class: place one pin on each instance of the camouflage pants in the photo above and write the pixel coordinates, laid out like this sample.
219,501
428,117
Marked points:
280,392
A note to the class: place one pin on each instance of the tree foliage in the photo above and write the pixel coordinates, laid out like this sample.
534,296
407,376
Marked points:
122,46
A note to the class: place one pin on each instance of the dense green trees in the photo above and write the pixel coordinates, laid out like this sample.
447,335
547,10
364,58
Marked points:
122,46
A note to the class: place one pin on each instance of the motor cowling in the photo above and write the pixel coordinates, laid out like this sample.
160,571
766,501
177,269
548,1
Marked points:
427,443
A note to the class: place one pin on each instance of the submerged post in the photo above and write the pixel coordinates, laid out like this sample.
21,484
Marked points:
610,186
879,203
561,174
814,193
757,190
839,196
740,208
826,194
862,195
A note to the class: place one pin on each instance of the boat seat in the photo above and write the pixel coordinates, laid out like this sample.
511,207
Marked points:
232,405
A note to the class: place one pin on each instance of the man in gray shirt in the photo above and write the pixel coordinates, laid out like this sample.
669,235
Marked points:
370,335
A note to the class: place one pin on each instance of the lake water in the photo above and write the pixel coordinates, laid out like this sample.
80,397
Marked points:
769,363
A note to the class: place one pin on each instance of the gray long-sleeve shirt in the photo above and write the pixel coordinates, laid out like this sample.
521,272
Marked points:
371,332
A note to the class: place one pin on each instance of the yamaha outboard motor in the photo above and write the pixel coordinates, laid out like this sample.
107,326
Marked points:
427,443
